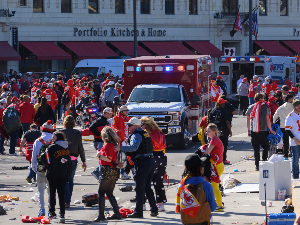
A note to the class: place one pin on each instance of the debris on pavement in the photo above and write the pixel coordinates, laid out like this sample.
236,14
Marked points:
77,201
20,168
8,198
229,181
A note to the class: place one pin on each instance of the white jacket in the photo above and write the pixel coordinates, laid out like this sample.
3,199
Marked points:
37,147
282,112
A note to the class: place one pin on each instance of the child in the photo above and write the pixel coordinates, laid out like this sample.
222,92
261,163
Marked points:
195,198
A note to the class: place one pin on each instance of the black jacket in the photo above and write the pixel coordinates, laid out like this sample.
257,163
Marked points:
100,122
59,95
43,118
58,159
74,139
97,91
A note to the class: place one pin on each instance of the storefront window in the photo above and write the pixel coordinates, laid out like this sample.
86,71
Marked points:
169,7
120,6
193,7
283,7
262,7
38,6
66,6
93,6
145,6
230,6
22,2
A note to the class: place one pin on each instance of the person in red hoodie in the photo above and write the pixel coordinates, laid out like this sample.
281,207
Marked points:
80,92
272,105
3,134
105,82
27,114
70,88
51,96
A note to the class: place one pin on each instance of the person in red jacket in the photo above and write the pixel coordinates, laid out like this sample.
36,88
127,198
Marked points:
27,114
71,93
105,82
266,87
288,82
80,92
2,130
51,96
122,131
272,105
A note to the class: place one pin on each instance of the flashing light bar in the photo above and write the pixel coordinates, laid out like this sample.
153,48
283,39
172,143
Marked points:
148,69
130,68
159,68
233,59
138,69
190,67
180,68
262,59
252,59
223,59
92,110
169,68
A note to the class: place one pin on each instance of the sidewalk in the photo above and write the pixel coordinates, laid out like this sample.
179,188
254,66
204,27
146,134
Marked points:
240,208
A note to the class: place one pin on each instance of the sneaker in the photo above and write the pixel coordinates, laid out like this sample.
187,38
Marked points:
67,205
133,199
256,168
286,158
219,209
144,207
125,177
14,154
41,212
160,207
62,220
51,215
29,180
226,162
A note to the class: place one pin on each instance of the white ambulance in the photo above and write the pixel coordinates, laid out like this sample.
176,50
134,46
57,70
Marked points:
230,68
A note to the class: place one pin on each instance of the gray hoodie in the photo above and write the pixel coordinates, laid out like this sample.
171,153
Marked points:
243,89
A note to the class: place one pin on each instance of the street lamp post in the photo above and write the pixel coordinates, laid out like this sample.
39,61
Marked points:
134,28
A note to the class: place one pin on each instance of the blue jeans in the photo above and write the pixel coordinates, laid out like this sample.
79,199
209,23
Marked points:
25,127
251,100
31,174
295,161
2,139
13,141
70,184
61,111
98,145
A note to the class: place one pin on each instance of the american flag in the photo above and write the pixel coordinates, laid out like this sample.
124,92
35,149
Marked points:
254,24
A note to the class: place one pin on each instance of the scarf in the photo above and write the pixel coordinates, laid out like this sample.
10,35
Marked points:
255,116
214,158
186,201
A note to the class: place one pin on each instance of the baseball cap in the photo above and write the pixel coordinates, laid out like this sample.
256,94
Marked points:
272,99
111,83
294,89
13,79
44,85
134,121
244,79
221,101
259,78
255,77
3,101
219,77
15,99
123,108
192,161
108,110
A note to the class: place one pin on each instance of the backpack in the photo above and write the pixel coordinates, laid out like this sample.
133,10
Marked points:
24,86
65,97
41,167
11,119
194,211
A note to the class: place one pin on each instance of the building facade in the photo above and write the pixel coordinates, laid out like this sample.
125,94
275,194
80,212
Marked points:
108,21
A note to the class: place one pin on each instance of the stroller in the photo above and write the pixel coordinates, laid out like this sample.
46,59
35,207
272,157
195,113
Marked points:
274,139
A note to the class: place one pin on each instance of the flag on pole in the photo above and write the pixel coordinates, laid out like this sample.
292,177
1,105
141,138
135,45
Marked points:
254,24
238,24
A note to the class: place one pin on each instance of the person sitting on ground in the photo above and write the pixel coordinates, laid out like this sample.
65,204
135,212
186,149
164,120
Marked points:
199,192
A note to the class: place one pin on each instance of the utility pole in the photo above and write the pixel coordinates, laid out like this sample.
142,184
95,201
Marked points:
134,28
250,29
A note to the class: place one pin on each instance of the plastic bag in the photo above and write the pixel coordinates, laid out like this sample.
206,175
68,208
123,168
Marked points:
229,181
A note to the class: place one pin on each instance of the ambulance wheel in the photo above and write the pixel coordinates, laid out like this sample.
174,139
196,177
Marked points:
184,138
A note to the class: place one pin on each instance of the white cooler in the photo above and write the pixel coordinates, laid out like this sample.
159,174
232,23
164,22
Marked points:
276,175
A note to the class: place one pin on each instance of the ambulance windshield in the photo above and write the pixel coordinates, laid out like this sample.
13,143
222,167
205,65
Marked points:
164,95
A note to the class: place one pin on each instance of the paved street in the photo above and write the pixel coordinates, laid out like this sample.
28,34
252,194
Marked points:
242,208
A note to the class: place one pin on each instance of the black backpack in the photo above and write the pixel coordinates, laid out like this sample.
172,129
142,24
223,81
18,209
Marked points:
65,97
24,86
41,166
11,119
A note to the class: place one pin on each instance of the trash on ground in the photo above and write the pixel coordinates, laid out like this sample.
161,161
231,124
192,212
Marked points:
35,198
269,204
20,167
77,201
244,188
229,181
41,219
236,170
8,198
90,199
127,188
